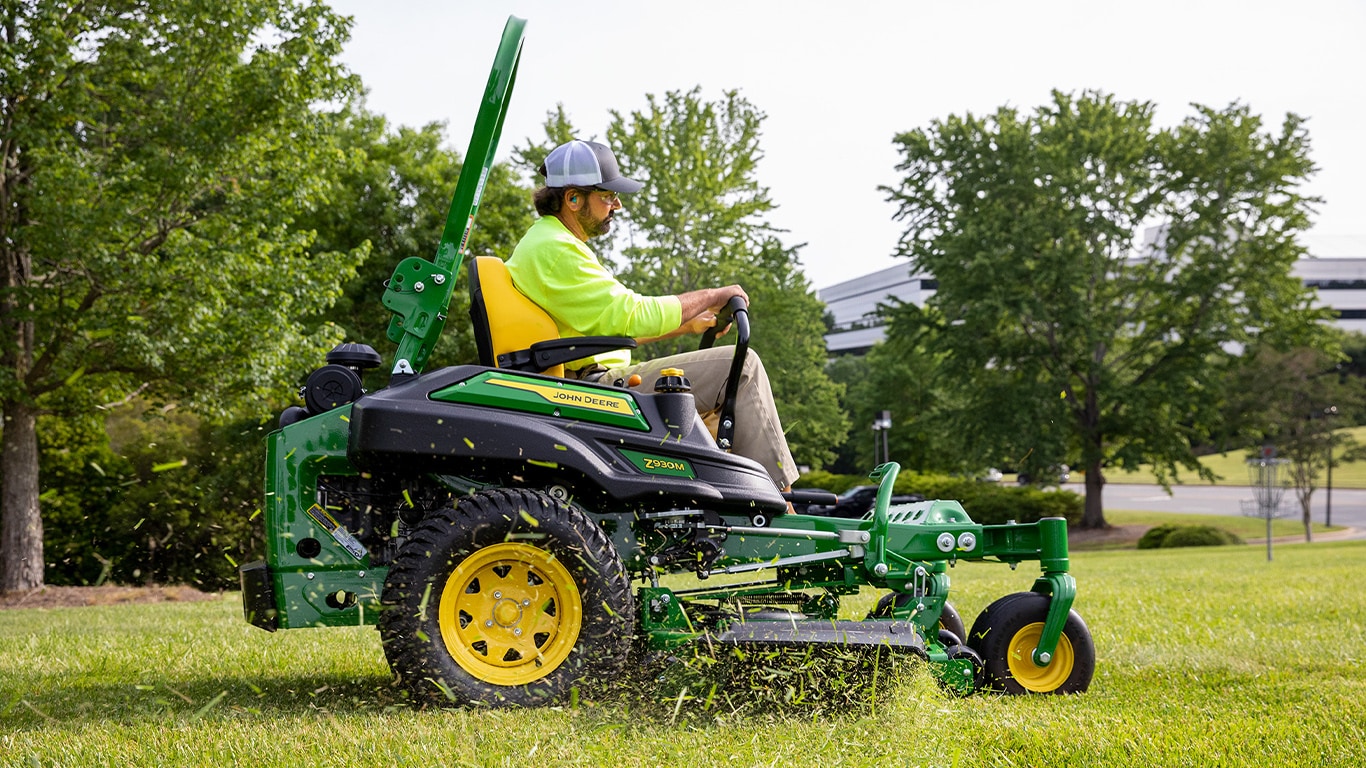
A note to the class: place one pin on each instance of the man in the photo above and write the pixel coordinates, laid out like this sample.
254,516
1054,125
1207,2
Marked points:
554,267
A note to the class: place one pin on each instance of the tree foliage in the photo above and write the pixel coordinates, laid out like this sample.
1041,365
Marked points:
134,494
1060,339
155,157
1296,400
899,375
391,195
151,496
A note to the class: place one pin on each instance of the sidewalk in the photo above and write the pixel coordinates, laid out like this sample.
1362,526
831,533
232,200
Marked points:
1346,534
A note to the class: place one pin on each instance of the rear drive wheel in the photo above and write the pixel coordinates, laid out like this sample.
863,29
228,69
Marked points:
1006,634
510,598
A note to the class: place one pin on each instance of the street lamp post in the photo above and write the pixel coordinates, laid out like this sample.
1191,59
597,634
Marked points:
1331,410
1328,496
883,424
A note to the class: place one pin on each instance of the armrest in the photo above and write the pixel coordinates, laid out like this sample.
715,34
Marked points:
552,352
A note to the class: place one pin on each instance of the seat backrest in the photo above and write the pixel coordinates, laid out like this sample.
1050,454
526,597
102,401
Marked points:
504,320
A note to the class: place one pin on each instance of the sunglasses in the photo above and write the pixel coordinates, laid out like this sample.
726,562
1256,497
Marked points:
610,198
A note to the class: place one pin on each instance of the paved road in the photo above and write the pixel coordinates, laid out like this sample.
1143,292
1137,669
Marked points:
1349,505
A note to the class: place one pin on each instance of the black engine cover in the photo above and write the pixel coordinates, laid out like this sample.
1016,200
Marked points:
646,464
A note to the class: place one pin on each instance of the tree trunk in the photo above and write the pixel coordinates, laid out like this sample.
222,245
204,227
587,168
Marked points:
1094,516
1308,518
21,525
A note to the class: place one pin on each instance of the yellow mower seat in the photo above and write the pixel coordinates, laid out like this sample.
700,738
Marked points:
512,331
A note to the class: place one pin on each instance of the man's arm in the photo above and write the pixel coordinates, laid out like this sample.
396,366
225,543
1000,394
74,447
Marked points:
699,310
708,299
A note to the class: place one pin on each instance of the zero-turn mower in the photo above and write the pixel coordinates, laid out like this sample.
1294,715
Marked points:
507,529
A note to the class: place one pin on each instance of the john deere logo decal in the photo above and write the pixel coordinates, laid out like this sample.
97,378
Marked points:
659,465
591,400
550,397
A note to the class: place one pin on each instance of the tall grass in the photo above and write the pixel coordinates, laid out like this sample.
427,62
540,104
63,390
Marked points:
1205,657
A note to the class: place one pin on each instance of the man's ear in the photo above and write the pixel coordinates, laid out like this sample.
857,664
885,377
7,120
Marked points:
573,200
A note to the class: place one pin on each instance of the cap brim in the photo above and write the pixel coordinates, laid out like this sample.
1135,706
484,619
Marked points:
621,184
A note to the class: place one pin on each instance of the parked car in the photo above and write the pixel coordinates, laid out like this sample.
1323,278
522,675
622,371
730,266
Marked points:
857,501
1061,472
992,475
806,499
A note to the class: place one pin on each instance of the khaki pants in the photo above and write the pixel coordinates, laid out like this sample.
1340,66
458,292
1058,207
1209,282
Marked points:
758,431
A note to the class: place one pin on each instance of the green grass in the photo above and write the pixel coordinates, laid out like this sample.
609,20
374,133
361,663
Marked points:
1205,657
1246,527
1231,469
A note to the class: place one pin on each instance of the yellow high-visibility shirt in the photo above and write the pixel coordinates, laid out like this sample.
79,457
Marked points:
563,276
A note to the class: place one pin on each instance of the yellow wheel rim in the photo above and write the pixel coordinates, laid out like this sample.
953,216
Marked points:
1020,659
510,614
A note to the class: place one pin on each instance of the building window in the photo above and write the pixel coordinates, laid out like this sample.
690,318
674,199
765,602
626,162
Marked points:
1336,285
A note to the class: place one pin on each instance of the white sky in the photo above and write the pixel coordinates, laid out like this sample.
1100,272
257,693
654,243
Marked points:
839,80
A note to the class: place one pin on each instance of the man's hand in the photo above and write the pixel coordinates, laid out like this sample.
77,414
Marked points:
701,323
726,294
695,303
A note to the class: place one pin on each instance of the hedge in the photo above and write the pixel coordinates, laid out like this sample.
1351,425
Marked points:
986,503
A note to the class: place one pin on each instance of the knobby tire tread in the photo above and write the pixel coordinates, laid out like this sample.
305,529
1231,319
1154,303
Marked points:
412,643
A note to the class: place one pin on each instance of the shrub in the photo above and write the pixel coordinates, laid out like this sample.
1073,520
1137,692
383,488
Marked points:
150,498
829,481
986,503
1172,535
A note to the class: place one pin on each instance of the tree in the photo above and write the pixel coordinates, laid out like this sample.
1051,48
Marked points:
699,223
789,330
392,195
558,130
153,158
1059,337
901,376
1294,400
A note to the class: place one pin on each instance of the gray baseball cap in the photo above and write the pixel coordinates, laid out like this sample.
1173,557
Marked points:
585,164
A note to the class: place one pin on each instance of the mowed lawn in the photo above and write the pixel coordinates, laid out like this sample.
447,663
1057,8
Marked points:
1231,469
1209,656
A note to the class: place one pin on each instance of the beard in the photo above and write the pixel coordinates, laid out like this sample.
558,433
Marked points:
593,227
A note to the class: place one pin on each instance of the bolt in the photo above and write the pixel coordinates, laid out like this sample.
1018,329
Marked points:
1045,657
497,595
439,279
488,623
880,569
517,632
360,574
525,603
419,287
310,577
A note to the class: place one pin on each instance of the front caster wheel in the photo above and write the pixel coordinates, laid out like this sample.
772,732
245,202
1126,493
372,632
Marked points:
510,598
1006,634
